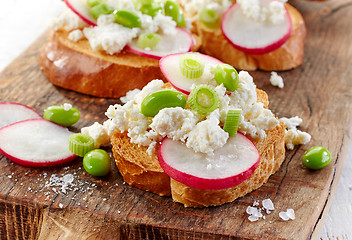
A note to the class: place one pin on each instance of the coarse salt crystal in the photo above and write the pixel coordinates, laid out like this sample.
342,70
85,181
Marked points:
67,106
61,205
268,205
289,214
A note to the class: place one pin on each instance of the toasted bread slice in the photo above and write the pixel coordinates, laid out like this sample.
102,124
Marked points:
288,56
75,66
143,171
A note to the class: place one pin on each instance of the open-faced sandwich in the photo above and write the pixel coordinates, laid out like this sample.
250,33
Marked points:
105,47
207,137
249,34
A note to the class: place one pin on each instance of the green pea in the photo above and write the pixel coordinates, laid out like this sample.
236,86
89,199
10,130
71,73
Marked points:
59,115
173,10
127,19
97,162
148,40
210,18
100,9
316,158
151,9
156,101
227,75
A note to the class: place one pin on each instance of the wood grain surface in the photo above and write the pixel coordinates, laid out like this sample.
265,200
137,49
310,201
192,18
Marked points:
34,204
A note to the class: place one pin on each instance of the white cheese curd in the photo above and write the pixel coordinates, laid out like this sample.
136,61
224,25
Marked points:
255,119
276,80
262,11
207,135
193,7
296,137
108,36
75,35
174,123
129,117
70,21
99,133
292,122
129,95
160,22
202,134
293,136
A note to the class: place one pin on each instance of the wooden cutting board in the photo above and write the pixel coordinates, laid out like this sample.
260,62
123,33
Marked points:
66,203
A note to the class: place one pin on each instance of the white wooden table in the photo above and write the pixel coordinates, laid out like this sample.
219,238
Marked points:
22,22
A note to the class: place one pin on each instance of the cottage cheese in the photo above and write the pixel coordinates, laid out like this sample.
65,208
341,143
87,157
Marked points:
99,133
261,11
207,135
255,119
109,36
193,7
69,21
202,134
293,136
175,123
75,35
276,80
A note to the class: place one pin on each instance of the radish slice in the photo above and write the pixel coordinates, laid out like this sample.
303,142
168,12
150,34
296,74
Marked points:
254,37
35,143
15,112
169,44
81,8
169,66
228,167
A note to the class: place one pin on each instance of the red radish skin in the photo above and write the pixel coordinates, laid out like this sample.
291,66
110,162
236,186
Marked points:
80,8
256,50
182,36
206,183
169,67
11,154
14,112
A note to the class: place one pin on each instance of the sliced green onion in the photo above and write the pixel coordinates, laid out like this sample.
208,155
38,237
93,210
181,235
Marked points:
100,9
150,9
210,18
127,19
191,66
148,40
174,10
203,99
227,75
154,102
92,3
80,144
232,120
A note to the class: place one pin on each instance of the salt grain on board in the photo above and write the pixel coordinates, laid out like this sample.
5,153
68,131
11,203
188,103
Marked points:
289,214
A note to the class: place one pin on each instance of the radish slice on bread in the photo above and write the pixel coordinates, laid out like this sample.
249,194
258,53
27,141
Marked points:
169,44
229,166
35,143
81,8
254,37
15,112
169,66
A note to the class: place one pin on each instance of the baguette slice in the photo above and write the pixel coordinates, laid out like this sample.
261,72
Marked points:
143,171
288,56
75,66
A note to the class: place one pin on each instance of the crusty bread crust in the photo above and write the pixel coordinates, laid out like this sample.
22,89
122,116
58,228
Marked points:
288,56
143,171
75,66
